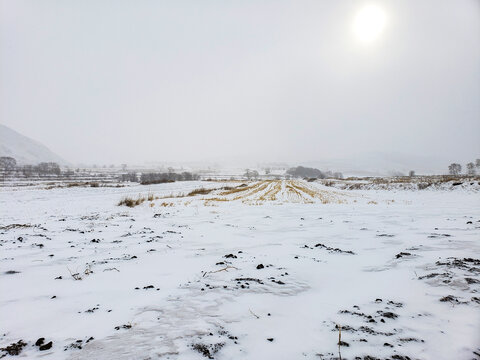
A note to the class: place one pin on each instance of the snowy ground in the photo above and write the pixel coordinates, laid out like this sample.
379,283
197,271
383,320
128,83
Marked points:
265,272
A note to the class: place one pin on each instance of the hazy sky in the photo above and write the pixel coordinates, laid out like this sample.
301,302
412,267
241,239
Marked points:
133,81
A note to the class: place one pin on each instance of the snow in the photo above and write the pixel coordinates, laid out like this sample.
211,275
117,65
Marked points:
297,299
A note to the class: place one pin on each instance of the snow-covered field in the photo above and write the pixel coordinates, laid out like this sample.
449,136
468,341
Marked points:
270,270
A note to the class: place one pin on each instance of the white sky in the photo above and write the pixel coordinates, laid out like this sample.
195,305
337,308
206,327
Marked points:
134,81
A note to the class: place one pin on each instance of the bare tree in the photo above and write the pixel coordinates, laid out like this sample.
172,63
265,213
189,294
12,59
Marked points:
48,168
7,163
454,169
27,170
471,168
251,174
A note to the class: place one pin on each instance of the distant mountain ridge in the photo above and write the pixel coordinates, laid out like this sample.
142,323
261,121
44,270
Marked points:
24,149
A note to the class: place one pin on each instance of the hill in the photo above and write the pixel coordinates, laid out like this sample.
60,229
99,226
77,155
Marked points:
24,149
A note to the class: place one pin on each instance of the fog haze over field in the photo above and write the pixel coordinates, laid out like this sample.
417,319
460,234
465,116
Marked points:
118,81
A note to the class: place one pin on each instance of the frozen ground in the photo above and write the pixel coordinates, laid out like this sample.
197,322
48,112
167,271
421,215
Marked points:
269,271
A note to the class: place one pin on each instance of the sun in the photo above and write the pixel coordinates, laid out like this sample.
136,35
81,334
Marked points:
369,23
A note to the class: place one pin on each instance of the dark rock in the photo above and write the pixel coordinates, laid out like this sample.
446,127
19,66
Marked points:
208,350
11,272
396,304
449,298
330,249
249,279
260,266
40,341
47,346
388,314
14,348
127,326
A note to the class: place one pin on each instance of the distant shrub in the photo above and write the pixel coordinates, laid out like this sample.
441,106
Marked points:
422,186
131,177
161,178
305,172
78,184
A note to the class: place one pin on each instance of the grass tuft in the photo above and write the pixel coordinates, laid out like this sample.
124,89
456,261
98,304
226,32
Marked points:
131,202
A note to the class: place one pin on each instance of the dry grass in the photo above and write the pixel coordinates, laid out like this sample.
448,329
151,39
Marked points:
194,192
211,201
200,191
165,204
271,194
303,189
240,188
298,193
255,189
131,202
257,193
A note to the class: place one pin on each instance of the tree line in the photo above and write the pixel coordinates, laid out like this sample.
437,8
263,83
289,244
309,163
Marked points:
312,173
8,164
158,178
472,168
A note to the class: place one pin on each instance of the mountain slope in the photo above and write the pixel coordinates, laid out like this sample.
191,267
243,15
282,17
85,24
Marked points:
24,149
